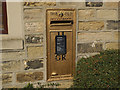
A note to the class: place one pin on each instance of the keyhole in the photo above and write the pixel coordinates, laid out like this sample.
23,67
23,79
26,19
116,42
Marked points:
61,14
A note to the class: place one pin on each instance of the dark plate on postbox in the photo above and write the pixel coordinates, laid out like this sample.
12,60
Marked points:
60,45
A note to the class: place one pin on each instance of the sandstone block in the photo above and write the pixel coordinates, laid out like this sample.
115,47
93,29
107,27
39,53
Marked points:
13,55
35,52
11,86
95,37
30,76
33,64
94,4
31,27
6,78
11,65
86,14
65,84
112,45
107,14
91,25
114,25
116,36
89,47
111,4
86,55
33,15
34,39
12,44
119,11
8,86
78,4
43,3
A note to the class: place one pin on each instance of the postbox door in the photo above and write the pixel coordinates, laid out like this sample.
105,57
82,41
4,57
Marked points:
60,64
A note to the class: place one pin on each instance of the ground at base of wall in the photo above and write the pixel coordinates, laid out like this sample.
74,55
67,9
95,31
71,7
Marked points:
64,83
55,84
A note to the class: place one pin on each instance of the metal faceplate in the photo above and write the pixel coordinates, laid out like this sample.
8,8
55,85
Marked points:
57,15
60,41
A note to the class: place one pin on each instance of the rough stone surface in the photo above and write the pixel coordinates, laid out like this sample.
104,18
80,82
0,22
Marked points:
95,37
78,4
87,14
11,65
116,36
94,4
65,84
12,44
33,64
40,3
37,39
86,55
30,76
107,14
111,4
115,25
34,27
18,85
112,45
13,55
35,52
91,25
7,86
6,78
119,11
89,47
33,15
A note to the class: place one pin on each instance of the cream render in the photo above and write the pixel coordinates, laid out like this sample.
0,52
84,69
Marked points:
14,38
24,53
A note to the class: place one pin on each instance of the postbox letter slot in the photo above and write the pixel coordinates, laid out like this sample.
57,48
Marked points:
61,23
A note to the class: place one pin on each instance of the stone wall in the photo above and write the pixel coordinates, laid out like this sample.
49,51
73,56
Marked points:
97,29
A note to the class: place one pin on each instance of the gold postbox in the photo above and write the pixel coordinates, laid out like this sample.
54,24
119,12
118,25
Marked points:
61,47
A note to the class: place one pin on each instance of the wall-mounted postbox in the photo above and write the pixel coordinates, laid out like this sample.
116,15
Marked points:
61,39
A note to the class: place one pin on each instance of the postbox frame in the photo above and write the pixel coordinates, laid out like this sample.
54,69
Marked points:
74,40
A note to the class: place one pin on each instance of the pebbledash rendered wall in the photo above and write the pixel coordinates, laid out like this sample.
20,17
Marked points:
97,29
